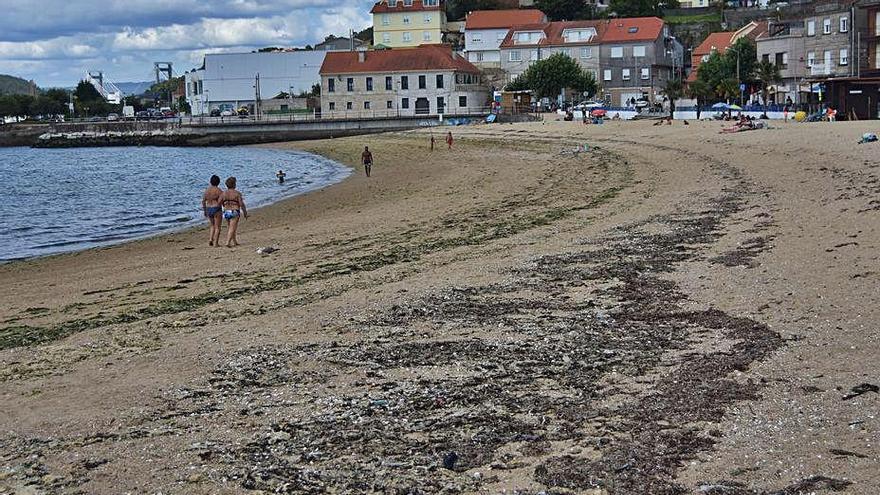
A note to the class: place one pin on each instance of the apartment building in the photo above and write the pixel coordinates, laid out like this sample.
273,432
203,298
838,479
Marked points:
868,38
485,30
637,56
828,39
425,80
408,23
783,45
525,44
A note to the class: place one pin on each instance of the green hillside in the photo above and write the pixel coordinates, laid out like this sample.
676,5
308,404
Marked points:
13,85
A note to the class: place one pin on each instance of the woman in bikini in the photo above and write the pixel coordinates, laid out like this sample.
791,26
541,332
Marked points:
233,209
211,208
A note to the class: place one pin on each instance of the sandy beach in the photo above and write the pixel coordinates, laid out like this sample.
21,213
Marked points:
670,310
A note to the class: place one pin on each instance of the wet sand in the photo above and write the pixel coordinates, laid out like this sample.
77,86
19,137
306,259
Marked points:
672,311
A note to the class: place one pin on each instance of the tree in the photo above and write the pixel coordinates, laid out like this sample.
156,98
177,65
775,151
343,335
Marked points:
548,77
714,70
566,10
316,89
727,88
700,91
641,8
86,93
767,73
673,90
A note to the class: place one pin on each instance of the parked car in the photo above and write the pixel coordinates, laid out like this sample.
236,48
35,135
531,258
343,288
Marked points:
142,115
112,117
642,103
215,112
227,113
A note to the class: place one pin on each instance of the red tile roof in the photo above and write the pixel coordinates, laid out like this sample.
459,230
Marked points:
715,41
553,33
417,6
632,29
421,58
497,19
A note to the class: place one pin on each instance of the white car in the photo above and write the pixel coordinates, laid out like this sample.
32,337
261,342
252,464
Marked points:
112,117
227,113
589,105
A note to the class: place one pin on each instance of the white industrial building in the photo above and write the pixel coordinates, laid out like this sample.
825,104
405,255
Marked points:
231,80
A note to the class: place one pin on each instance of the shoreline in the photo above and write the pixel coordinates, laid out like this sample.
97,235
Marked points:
658,311
343,173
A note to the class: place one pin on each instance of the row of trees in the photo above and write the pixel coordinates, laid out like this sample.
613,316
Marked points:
55,102
548,77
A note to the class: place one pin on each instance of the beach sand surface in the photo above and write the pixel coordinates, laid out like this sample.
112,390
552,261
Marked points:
604,309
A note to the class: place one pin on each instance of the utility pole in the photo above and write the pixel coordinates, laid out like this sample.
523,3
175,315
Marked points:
257,96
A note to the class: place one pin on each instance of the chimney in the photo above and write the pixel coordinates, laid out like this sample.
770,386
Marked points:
362,56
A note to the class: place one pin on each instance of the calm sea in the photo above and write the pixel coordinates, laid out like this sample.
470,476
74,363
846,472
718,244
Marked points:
61,200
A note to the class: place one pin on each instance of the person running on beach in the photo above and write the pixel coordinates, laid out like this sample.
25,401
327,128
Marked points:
449,139
233,209
367,159
211,208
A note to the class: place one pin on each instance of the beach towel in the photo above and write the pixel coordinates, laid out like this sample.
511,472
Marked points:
868,137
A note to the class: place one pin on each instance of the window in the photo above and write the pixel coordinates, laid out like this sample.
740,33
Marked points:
646,73
575,35
441,104
386,19
407,3
616,52
811,58
827,55
784,61
423,83
477,37
844,56
389,104
429,3
639,51
811,28
844,24
439,81
350,84
406,20
462,101
369,84
765,57
404,103
388,84
407,36
331,85
348,105
392,3
332,106
527,37
826,26
625,74
426,18
426,35
404,82
386,38
606,75
778,60
477,56
366,105
514,56
533,55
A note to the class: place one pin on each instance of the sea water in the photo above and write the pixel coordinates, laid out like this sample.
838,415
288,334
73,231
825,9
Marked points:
58,200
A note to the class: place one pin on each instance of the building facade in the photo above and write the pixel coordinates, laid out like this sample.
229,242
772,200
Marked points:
234,80
783,45
637,56
828,39
426,80
525,44
486,29
408,23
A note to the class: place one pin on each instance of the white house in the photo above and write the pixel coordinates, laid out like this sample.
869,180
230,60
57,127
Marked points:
485,30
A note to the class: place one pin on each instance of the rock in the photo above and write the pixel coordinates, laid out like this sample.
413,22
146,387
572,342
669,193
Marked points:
278,436
449,460
266,250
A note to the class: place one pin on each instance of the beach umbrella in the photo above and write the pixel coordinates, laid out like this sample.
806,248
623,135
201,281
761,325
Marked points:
720,106
734,107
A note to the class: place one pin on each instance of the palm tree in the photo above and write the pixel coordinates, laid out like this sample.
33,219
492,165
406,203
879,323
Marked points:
700,91
727,88
767,73
673,90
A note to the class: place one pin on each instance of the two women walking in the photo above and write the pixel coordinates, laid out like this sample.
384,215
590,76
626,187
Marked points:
218,204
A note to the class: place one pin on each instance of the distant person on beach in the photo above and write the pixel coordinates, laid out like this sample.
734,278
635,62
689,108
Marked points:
281,175
449,139
367,160
432,142
233,209
211,208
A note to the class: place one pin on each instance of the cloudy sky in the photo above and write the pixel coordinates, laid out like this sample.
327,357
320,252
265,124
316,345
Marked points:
55,41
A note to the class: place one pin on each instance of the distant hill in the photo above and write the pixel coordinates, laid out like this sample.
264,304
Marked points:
14,85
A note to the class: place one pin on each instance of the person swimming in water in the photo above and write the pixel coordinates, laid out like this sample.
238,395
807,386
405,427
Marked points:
281,175
233,209
211,208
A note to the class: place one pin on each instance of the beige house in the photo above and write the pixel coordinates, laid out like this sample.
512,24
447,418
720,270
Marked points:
426,80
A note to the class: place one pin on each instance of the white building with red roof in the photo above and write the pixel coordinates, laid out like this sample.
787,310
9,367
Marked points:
525,44
485,30
425,80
